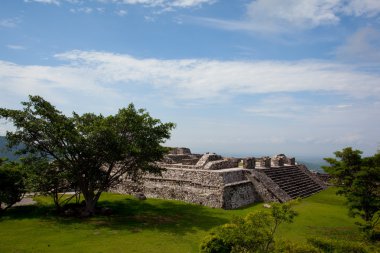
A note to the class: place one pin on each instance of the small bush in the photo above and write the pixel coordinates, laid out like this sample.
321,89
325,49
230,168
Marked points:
292,247
335,246
253,233
12,185
214,244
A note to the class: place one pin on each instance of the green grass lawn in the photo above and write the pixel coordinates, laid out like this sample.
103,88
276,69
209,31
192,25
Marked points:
156,225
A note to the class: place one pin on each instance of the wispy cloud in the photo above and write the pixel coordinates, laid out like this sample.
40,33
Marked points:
121,13
16,47
202,78
10,22
192,80
165,5
361,47
86,10
162,3
282,16
56,2
102,82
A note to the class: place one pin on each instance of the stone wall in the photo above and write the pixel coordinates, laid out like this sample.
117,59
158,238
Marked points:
249,163
208,158
278,161
226,188
213,181
238,195
265,162
180,151
220,164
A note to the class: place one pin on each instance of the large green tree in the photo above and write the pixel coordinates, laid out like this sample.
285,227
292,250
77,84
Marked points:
358,180
95,151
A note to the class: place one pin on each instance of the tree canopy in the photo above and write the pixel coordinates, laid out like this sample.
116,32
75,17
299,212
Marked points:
358,180
93,151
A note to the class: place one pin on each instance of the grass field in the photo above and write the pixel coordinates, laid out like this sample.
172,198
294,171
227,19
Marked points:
156,225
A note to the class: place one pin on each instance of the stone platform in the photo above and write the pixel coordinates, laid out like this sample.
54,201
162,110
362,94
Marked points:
218,182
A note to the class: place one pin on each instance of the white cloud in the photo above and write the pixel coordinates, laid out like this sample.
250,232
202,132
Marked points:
102,74
162,3
361,47
56,2
165,4
279,16
201,78
86,10
309,13
15,47
367,8
10,22
102,82
121,13
189,3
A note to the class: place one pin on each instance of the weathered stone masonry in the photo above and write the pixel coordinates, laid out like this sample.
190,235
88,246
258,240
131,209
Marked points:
214,181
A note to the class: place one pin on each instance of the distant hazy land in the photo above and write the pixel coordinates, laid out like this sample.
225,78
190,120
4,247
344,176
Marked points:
313,163
4,151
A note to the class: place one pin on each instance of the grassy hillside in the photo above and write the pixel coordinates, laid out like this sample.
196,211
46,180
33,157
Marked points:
156,225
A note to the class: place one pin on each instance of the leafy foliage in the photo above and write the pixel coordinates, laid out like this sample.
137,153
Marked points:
12,186
336,246
48,178
292,247
253,233
93,151
359,181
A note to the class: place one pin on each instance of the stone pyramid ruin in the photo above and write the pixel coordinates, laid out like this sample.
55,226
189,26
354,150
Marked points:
229,183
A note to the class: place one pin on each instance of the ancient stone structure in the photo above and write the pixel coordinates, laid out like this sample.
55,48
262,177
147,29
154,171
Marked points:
214,181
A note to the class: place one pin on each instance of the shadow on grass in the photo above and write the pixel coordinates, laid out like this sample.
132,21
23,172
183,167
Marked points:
166,216
131,214
28,212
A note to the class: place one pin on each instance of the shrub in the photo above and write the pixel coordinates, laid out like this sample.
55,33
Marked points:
335,246
12,186
214,244
253,233
292,247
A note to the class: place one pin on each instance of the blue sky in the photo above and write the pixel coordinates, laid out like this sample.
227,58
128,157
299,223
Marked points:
238,77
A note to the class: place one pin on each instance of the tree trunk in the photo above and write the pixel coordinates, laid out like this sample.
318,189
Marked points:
91,200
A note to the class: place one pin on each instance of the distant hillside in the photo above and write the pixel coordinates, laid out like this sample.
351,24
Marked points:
314,163
4,151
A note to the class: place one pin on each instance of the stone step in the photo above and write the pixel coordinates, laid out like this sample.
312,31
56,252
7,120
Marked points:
305,193
290,183
305,188
281,172
301,190
286,174
290,178
293,181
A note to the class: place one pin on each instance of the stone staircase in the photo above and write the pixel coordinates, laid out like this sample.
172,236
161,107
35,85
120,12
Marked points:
293,180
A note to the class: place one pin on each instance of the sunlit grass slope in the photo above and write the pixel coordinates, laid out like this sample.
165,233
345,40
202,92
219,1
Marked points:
155,225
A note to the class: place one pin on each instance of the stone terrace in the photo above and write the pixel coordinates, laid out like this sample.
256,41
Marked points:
214,181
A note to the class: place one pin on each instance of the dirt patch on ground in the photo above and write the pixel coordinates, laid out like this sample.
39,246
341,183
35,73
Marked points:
155,219
25,202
